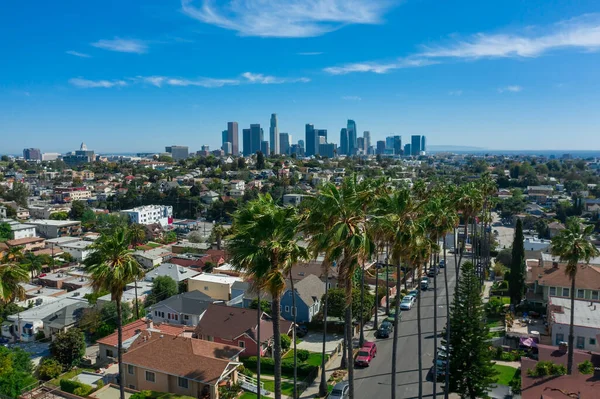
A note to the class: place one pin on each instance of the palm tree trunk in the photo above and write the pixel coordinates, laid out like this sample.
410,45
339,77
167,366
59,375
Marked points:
349,345
387,281
447,375
275,313
395,343
376,322
295,391
420,344
435,332
361,340
323,384
120,349
344,361
259,342
571,332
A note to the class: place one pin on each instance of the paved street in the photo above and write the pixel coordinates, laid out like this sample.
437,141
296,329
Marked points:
374,381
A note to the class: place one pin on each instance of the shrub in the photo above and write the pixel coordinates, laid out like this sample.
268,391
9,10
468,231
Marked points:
546,368
73,387
515,383
83,391
49,369
39,335
286,342
302,355
586,367
99,384
267,365
141,395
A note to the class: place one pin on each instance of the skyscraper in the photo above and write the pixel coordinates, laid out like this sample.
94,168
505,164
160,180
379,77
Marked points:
312,140
264,147
284,143
407,149
367,140
247,138
179,152
327,150
423,144
398,145
322,133
389,142
274,135
301,143
415,144
343,150
225,137
352,146
360,145
227,148
32,154
232,137
380,147
256,136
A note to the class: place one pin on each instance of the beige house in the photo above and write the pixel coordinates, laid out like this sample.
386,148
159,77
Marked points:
216,286
178,365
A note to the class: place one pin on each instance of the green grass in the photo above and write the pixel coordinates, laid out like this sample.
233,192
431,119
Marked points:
314,359
153,245
496,334
506,374
493,322
287,388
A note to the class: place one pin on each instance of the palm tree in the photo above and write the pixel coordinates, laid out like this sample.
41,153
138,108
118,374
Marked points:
264,246
11,276
14,254
112,266
34,263
467,202
137,235
572,246
345,241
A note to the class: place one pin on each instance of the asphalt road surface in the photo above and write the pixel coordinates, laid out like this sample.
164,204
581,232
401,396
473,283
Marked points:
375,381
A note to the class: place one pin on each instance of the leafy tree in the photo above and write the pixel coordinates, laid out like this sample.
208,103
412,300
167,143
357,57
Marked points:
68,347
471,370
11,276
59,216
286,342
5,232
163,287
265,306
15,371
19,193
516,279
49,368
77,210
260,160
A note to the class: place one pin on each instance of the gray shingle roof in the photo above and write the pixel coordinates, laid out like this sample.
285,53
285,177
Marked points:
310,289
193,302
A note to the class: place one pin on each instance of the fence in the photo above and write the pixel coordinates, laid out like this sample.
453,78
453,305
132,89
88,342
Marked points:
251,384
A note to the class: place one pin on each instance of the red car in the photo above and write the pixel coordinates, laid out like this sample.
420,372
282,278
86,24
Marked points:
366,354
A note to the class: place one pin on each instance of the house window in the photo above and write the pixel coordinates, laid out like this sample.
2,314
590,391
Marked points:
131,386
566,292
130,369
241,344
109,353
580,343
182,382
287,309
552,291
186,317
595,295
150,376
156,313
593,341
580,294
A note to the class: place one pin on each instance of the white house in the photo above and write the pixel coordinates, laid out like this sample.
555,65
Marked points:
187,308
176,272
150,214
20,230
79,250
586,326
153,257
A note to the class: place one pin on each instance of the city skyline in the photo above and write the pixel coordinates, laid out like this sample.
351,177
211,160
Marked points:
467,73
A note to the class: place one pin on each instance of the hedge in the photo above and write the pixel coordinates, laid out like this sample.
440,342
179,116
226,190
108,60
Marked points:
71,386
267,365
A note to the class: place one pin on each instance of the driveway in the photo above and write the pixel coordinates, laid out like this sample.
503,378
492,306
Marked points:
505,233
313,342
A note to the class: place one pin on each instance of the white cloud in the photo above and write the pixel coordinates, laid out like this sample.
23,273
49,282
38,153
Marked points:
266,79
78,54
122,45
351,98
311,53
290,18
455,93
578,33
380,68
510,89
202,82
91,84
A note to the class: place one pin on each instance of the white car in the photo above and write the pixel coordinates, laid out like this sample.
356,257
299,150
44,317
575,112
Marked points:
407,302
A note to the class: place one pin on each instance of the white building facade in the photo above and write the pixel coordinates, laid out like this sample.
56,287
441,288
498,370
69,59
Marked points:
150,214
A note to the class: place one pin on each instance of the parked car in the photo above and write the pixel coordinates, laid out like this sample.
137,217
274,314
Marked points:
301,331
392,317
433,271
407,302
385,329
341,390
366,354
414,293
442,264
424,283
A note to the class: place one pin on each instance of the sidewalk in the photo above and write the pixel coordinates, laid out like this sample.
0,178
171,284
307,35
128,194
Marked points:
487,286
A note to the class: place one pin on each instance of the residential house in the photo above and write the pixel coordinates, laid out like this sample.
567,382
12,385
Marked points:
107,346
238,327
301,270
27,244
209,197
577,385
293,199
555,228
586,324
237,185
179,365
20,230
545,280
56,228
186,308
178,273
153,257
217,286
309,292
64,319
79,250
539,194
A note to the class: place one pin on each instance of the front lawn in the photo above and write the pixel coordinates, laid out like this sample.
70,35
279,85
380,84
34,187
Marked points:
506,374
314,359
493,322
153,245
287,389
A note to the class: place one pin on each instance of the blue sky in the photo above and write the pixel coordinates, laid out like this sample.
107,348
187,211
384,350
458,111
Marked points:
138,75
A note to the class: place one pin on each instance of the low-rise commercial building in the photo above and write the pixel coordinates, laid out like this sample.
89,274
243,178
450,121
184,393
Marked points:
150,214
56,228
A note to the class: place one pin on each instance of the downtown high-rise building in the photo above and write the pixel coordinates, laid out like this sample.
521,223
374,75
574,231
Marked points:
32,154
246,142
343,149
389,142
312,140
274,135
397,145
257,137
360,145
178,152
380,150
367,141
415,144
352,145
232,137
285,140
407,150
322,133
264,147
423,147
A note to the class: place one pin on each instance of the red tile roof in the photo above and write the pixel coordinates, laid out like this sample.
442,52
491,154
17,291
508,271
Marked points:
588,277
131,329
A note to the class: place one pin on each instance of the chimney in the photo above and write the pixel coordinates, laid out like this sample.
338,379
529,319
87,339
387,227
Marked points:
149,324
